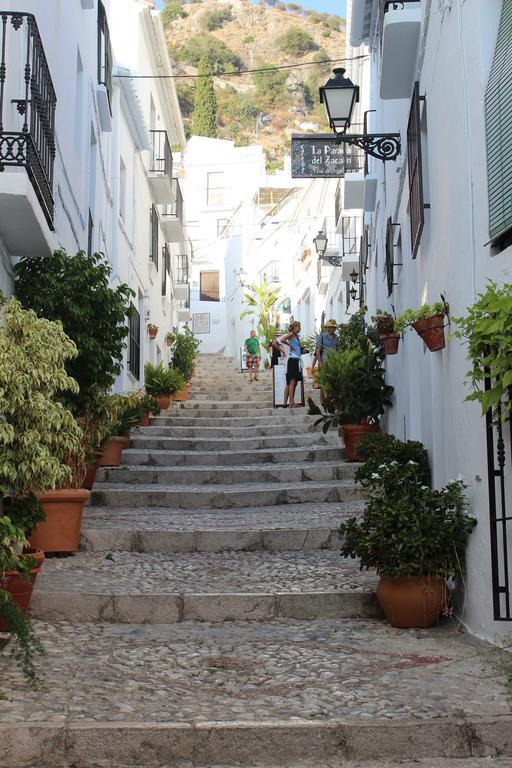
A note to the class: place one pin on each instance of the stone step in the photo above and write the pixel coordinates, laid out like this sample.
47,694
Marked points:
241,444
189,410
436,762
293,527
222,431
215,475
222,496
256,694
231,405
279,416
225,458
134,588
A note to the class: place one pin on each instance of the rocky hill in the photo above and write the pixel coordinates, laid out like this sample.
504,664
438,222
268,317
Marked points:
240,35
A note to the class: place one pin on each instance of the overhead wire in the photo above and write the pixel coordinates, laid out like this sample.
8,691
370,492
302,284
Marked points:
240,72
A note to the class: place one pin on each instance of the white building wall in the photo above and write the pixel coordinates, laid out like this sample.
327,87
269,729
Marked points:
454,258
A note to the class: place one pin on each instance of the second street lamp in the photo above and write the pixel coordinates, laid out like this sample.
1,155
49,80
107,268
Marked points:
320,242
353,276
340,95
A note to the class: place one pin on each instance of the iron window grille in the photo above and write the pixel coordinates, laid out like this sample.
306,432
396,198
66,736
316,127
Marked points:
181,269
166,267
414,163
390,256
90,234
27,133
153,229
104,53
134,343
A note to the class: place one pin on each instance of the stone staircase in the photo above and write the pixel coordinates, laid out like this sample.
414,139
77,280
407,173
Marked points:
210,620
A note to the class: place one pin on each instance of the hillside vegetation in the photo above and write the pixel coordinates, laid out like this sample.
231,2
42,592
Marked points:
237,35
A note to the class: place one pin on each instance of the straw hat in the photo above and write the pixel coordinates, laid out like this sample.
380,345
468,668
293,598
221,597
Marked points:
331,324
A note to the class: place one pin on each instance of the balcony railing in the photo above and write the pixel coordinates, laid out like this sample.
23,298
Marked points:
175,210
161,155
270,273
210,295
166,267
27,106
153,235
351,238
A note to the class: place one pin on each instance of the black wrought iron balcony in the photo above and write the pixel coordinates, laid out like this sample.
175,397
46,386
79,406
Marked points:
182,275
271,273
161,155
27,106
172,215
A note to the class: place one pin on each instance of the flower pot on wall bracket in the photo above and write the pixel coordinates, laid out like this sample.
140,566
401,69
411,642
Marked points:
152,330
431,330
390,342
352,434
412,601
21,588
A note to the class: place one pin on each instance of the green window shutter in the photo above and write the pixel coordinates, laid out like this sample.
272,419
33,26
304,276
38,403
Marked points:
498,118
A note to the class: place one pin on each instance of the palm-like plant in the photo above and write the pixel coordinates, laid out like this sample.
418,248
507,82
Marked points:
260,301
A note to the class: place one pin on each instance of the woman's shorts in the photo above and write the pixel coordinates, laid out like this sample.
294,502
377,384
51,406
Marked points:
293,370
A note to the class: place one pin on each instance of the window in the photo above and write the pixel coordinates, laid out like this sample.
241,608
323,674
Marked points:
104,53
153,236
79,100
134,343
389,257
215,188
182,268
166,267
122,189
209,286
416,207
90,234
498,116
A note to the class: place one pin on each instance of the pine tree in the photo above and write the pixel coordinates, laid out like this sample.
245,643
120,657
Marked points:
204,117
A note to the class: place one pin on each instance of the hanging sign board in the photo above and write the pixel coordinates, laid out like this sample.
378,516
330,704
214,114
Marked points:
317,156
279,383
201,322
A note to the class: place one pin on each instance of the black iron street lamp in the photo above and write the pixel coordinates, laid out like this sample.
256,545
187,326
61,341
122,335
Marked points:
340,95
320,242
353,293
354,276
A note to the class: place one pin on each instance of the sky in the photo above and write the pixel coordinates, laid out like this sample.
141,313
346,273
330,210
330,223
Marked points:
329,6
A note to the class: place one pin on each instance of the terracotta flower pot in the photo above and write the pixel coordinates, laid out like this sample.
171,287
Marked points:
431,330
412,601
163,401
352,434
90,475
390,342
152,332
144,420
60,532
112,451
19,588
182,394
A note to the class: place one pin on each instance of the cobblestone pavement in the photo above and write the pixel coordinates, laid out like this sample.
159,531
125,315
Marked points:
325,515
205,573
248,671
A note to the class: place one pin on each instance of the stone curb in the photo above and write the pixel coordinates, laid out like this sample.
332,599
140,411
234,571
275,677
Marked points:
254,743
144,608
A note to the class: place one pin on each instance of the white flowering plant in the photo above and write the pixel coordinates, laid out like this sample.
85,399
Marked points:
407,528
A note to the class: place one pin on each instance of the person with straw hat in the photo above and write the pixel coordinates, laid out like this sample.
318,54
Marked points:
325,342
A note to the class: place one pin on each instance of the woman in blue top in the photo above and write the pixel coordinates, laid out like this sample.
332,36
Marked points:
290,342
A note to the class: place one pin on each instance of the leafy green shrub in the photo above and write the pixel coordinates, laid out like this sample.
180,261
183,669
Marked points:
216,19
408,529
184,353
248,39
173,10
379,448
162,381
25,512
487,329
295,41
76,291
220,56
204,117
36,431
270,85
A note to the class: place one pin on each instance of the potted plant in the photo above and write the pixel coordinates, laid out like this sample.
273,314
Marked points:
184,352
487,331
413,536
123,415
37,433
355,393
152,330
170,338
385,325
144,405
17,576
428,322
161,383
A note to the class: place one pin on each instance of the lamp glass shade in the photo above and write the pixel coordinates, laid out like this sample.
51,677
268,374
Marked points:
320,242
339,95
353,293
353,276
